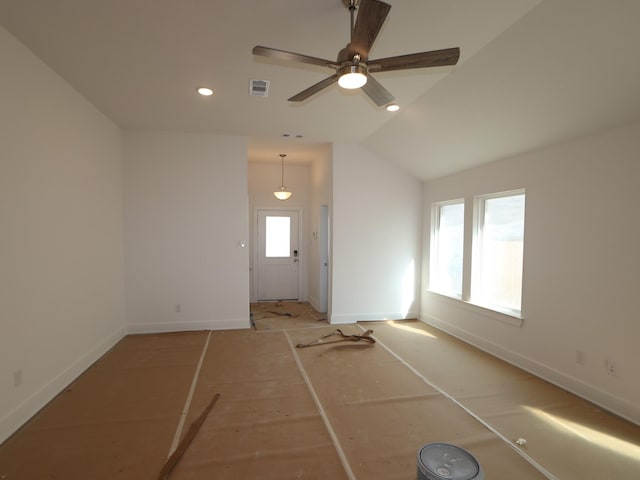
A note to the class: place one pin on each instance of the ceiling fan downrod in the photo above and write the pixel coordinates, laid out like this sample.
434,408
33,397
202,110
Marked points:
352,5
352,11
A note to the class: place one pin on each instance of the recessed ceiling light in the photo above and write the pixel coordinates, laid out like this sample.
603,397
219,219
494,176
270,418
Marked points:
393,107
205,92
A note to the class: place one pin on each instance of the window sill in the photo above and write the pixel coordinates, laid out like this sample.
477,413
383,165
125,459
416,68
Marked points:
508,317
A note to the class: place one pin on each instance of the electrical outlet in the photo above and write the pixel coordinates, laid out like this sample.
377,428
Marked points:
579,357
17,378
177,307
612,367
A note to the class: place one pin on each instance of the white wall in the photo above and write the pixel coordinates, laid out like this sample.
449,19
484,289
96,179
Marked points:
186,213
61,247
264,179
581,266
376,238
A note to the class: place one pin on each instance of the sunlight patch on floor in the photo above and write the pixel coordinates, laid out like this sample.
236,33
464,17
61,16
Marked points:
602,440
407,328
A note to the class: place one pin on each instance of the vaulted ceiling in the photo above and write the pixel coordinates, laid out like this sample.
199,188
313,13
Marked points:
531,72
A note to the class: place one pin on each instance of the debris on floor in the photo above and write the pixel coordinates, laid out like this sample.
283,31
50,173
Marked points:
366,337
175,457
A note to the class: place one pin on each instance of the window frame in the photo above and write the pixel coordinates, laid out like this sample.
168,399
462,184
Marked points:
479,210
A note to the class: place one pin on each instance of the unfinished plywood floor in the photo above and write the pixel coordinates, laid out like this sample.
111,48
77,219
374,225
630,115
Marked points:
340,411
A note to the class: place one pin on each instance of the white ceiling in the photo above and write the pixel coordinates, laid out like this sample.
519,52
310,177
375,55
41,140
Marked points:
531,72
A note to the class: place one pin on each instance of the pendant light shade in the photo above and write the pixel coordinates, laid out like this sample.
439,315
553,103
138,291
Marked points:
282,193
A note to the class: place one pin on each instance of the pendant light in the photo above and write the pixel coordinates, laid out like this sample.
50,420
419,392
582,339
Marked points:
282,193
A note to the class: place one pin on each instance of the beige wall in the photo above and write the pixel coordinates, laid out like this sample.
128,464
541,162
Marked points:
581,265
376,221
186,216
61,247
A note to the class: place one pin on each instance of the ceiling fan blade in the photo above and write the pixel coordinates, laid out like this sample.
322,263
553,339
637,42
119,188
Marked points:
371,16
435,58
292,57
303,95
377,92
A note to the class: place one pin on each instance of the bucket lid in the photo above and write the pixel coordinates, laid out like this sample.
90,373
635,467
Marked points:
440,461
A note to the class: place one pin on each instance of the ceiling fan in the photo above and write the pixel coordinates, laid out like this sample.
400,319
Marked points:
353,67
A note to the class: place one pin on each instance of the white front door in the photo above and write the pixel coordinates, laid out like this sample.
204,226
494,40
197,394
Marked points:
278,255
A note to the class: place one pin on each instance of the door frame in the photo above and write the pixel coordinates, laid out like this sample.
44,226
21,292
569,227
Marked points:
302,269
324,253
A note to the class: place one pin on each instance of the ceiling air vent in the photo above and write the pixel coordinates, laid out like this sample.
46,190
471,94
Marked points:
259,88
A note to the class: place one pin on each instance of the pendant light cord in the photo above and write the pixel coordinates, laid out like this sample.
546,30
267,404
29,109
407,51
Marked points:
282,155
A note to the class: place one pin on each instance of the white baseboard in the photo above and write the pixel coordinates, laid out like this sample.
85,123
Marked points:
166,327
30,406
341,319
618,406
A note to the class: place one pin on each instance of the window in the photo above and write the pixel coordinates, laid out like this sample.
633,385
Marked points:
498,251
447,244
277,236
488,271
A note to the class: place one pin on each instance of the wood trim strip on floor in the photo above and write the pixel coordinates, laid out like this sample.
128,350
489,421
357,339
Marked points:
535,464
187,403
323,415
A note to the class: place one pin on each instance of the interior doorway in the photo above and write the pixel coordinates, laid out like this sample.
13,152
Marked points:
278,255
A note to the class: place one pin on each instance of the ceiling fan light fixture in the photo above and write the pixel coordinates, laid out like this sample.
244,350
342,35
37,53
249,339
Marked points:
352,76
352,63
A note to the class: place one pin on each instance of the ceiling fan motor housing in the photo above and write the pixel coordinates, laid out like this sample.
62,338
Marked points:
442,461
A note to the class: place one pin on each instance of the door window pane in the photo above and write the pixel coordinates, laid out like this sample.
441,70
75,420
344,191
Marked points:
447,245
277,237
